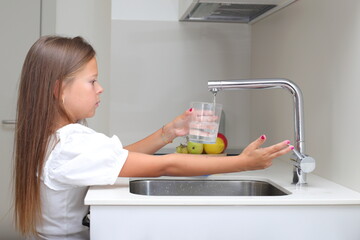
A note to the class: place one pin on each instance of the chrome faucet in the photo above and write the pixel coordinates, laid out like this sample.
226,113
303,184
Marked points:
302,163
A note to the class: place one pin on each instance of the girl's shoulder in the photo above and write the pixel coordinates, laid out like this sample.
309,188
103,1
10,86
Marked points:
75,128
75,131
77,138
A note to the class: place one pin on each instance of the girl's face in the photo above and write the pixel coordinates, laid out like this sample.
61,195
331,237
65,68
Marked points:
81,97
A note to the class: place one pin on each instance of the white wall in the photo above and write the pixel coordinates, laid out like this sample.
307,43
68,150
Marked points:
142,43
317,45
144,10
90,19
314,43
160,65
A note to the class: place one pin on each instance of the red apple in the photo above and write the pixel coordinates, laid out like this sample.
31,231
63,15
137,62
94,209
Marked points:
222,136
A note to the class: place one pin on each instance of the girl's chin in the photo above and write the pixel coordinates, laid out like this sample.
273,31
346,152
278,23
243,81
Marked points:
88,116
91,114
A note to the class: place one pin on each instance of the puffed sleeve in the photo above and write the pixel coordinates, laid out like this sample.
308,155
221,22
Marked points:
83,157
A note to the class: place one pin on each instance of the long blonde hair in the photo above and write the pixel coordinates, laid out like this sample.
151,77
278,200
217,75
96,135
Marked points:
51,62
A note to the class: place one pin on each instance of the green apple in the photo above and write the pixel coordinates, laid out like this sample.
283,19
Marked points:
184,150
195,148
181,149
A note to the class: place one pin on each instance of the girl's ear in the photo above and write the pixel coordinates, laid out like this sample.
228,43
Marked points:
58,93
57,89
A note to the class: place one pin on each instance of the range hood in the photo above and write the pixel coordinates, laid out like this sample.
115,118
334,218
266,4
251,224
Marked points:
238,11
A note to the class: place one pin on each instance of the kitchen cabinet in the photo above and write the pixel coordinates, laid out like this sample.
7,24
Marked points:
317,210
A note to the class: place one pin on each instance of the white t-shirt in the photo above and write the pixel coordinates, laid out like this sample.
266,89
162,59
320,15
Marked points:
78,158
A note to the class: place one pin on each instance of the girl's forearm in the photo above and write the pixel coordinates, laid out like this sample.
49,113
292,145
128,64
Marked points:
154,142
252,158
151,144
196,165
143,165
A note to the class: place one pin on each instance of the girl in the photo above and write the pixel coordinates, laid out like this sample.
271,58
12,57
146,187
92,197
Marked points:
57,158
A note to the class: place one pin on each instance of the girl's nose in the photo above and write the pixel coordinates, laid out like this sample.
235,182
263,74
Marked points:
99,88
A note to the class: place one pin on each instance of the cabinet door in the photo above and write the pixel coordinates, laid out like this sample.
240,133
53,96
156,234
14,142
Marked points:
19,29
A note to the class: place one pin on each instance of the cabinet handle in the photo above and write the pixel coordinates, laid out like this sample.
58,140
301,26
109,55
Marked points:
8,122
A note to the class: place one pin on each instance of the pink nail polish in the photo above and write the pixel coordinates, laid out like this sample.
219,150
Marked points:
287,142
292,147
190,110
262,137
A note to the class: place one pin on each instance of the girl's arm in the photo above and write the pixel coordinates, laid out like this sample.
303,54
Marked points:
252,158
149,145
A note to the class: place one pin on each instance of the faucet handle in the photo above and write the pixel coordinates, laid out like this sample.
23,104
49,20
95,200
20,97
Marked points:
307,164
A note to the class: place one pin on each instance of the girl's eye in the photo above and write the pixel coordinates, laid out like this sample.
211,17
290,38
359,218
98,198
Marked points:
93,81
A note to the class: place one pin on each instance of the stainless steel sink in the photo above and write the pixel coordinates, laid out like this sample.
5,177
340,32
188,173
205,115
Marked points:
165,187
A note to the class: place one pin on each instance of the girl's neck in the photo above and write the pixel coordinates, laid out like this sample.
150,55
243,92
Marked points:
59,125
60,122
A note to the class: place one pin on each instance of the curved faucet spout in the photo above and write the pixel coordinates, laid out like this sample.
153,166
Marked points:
215,86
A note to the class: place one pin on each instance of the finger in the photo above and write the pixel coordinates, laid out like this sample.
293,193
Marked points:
277,147
203,112
187,114
203,126
189,111
208,112
283,151
203,118
201,133
258,142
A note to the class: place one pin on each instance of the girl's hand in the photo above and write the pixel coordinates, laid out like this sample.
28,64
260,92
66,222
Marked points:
181,123
259,158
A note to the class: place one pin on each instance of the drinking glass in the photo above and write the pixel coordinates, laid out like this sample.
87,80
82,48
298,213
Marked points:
204,124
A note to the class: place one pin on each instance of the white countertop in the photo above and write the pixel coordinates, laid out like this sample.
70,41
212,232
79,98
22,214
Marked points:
318,191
